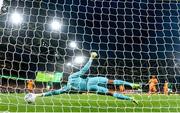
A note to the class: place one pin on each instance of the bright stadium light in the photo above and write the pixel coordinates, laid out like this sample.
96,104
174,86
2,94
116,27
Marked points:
16,18
73,45
79,60
69,64
1,4
56,25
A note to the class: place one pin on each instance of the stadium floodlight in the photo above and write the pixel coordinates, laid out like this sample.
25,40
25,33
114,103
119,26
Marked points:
69,64
16,18
56,25
79,60
1,5
73,45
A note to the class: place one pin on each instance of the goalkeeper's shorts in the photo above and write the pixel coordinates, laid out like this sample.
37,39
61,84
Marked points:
95,84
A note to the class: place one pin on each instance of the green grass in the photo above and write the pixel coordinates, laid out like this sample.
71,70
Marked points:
90,103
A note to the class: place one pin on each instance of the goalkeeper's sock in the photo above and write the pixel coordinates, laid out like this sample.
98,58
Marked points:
121,96
121,82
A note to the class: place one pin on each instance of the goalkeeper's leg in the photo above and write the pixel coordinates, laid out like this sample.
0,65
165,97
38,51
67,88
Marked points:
104,80
121,96
121,82
103,90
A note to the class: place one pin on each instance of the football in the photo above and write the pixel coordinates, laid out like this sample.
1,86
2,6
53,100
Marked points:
30,98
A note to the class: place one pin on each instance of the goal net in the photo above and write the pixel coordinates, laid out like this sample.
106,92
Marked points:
43,42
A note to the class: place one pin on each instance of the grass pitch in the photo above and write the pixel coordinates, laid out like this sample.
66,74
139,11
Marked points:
90,103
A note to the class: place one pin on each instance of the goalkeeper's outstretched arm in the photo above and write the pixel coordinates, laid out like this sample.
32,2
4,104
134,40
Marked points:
85,68
54,92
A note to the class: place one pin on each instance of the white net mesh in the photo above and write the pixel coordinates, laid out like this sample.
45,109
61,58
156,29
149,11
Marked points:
47,40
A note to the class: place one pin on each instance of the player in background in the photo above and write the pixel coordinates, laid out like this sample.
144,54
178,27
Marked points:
76,81
152,85
121,88
30,85
167,88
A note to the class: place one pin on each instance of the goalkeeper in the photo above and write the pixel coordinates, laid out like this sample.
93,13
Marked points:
92,84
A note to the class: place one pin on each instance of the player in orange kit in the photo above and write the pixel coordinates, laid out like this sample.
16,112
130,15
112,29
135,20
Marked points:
30,86
121,88
165,88
152,84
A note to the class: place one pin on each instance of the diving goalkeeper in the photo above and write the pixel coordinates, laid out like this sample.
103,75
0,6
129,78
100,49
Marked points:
91,84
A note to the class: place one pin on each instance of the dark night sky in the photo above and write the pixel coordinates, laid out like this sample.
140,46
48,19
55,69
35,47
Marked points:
141,30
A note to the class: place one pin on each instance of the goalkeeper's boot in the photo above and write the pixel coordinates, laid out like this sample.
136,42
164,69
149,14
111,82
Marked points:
136,86
134,101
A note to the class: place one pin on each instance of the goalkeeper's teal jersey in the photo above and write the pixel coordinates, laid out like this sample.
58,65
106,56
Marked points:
75,81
